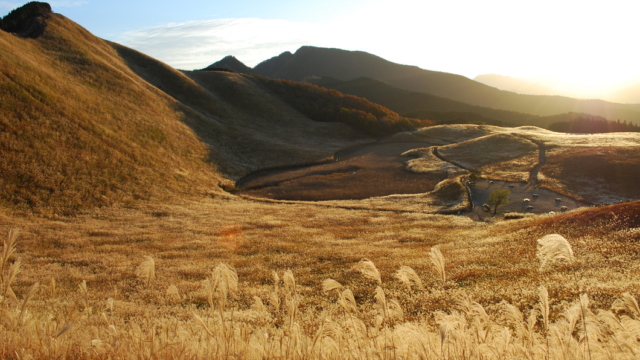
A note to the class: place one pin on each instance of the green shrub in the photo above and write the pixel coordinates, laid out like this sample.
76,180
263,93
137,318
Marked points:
14,21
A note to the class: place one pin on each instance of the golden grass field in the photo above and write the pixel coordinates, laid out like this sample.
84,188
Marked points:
88,271
118,241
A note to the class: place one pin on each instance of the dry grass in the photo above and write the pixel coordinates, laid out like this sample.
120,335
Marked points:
595,174
499,156
598,168
426,162
87,123
359,173
101,308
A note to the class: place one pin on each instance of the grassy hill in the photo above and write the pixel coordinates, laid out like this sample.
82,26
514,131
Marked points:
422,105
79,129
348,65
88,123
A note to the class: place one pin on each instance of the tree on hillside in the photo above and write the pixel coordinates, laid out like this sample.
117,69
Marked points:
15,20
499,197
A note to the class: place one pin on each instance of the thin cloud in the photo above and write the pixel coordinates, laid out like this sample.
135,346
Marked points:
197,44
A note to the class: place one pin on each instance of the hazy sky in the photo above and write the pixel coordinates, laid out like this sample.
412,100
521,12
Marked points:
592,43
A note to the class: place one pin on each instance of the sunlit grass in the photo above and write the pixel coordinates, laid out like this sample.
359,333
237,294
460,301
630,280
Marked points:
269,295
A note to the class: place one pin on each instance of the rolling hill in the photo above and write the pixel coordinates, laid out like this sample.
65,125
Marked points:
349,65
89,123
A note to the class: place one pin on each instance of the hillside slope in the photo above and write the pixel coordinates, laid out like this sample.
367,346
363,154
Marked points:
348,65
87,123
422,105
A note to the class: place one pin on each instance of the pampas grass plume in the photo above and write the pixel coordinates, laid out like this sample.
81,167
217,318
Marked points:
172,292
544,305
8,248
629,304
289,282
553,248
147,270
369,270
330,284
409,277
347,301
437,259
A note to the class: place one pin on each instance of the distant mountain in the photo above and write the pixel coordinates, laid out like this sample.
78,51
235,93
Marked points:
516,85
271,66
422,105
443,111
348,65
230,63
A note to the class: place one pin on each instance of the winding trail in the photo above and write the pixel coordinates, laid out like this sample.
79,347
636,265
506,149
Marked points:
533,174
436,153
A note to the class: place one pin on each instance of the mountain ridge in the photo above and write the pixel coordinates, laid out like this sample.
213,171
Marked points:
348,65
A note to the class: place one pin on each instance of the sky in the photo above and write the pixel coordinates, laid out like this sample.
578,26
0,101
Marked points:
588,44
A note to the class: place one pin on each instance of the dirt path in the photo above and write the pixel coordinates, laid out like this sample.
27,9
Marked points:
533,174
436,153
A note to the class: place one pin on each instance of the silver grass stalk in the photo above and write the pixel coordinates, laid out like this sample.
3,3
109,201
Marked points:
395,310
223,284
629,304
209,290
147,270
274,296
8,248
12,273
84,293
30,293
172,292
202,324
444,328
52,288
289,282
584,309
258,305
409,277
369,270
437,259
347,301
553,248
381,300
543,294
330,284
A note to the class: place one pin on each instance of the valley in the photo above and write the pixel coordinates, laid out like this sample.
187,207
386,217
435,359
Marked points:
154,213
358,173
